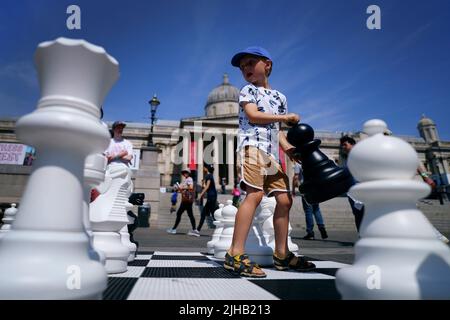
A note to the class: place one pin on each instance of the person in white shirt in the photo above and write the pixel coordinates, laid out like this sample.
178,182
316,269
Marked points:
120,149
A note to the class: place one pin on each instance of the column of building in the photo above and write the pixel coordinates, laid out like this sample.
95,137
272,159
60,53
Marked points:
230,160
216,161
200,158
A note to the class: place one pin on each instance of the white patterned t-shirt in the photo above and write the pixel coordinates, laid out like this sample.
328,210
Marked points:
261,136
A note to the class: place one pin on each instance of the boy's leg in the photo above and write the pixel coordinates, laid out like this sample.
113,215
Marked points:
244,219
252,163
281,222
278,185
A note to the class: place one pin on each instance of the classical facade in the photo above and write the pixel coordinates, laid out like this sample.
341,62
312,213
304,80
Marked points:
211,138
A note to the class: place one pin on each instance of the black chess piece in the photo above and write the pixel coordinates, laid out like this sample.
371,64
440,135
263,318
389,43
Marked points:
136,199
322,178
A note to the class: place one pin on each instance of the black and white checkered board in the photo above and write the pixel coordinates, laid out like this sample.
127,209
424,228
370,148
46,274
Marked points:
195,276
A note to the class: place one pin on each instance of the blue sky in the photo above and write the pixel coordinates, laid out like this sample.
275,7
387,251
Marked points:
334,71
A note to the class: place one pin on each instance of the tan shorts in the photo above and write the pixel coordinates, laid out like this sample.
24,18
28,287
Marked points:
261,171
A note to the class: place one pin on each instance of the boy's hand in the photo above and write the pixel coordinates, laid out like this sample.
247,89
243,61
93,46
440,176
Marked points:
291,155
291,119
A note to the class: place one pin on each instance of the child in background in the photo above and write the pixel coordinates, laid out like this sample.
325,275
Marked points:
173,200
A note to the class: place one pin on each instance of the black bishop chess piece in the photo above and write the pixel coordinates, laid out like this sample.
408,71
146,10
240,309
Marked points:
322,178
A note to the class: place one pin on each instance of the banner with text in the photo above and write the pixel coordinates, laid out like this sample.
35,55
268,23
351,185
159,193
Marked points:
18,154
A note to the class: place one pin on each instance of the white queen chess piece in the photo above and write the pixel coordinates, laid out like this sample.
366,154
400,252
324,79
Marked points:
398,255
45,255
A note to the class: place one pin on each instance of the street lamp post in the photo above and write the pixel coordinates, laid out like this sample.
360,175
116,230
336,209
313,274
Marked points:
154,103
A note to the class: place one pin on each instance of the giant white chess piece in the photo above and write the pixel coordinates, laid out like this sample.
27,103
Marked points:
398,255
108,216
218,231
8,218
45,255
256,246
228,219
265,210
94,174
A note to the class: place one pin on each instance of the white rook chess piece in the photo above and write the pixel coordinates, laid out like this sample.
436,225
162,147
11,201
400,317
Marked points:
398,255
228,218
218,231
266,210
108,216
8,218
45,255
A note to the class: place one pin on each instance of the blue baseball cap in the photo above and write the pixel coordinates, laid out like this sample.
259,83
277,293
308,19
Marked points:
254,50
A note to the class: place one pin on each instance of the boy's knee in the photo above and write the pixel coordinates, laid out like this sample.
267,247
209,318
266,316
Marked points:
285,201
254,194
257,196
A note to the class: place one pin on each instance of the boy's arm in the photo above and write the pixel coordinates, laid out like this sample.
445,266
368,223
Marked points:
286,146
258,117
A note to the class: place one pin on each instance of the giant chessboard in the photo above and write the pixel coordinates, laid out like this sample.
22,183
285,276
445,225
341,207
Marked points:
163,275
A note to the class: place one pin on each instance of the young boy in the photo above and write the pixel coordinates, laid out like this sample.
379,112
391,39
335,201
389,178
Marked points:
261,110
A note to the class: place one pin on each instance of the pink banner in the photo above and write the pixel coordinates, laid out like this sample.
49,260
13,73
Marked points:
193,156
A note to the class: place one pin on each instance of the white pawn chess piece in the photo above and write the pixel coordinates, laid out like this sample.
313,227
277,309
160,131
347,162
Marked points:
45,255
256,246
8,218
94,174
218,231
266,210
398,255
228,218
108,216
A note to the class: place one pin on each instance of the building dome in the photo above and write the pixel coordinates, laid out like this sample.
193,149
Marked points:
427,130
223,100
424,121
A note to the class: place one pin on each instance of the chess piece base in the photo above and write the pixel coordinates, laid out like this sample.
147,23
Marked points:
116,254
47,277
